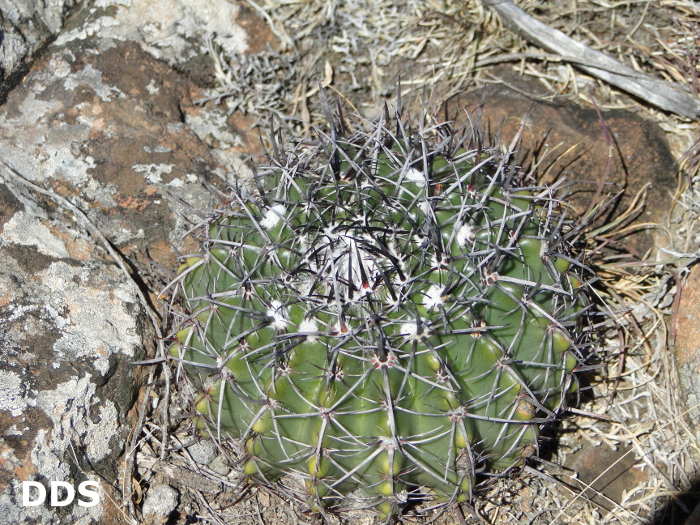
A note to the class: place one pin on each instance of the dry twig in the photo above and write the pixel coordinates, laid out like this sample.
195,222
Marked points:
658,93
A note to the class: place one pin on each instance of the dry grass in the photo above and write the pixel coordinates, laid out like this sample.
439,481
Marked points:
362,51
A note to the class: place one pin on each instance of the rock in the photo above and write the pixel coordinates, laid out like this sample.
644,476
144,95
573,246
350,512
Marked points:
71,324
575,146
176,31
103,121
24,28
604,475
160,502
687,351
220,465
203,452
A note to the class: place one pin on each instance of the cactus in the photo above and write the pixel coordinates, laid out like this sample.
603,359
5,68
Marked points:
389,310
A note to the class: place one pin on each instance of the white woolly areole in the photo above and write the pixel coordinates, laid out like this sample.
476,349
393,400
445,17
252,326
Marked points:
465,234
409,329
433,297
399,257
273,216
419,239
347,258
277,312
309,326
329,231
415,176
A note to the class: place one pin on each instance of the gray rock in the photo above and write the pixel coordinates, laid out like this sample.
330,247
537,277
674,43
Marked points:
26,26
71,324
220,465
103,121
161,501
104,127
203,452
175,31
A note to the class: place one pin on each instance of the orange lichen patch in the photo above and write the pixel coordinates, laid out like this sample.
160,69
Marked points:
64,188
161,252
98,126
78,248
131,202
150,190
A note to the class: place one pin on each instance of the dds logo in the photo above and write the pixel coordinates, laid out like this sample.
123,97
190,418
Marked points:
93,497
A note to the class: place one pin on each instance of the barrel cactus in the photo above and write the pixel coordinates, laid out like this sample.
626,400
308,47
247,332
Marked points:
388,310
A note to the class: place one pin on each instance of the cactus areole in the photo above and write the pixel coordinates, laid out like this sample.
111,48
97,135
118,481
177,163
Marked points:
389,310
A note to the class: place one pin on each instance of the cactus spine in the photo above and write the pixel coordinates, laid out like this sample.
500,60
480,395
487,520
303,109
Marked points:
388,310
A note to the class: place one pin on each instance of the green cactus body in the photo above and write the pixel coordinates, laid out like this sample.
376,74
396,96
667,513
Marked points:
389,312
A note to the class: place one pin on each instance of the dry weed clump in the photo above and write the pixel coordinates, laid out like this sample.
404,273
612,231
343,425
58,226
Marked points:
362,50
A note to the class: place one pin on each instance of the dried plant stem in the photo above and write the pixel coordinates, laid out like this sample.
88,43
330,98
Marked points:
661,94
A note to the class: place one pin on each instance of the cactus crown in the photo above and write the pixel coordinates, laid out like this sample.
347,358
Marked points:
389,310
